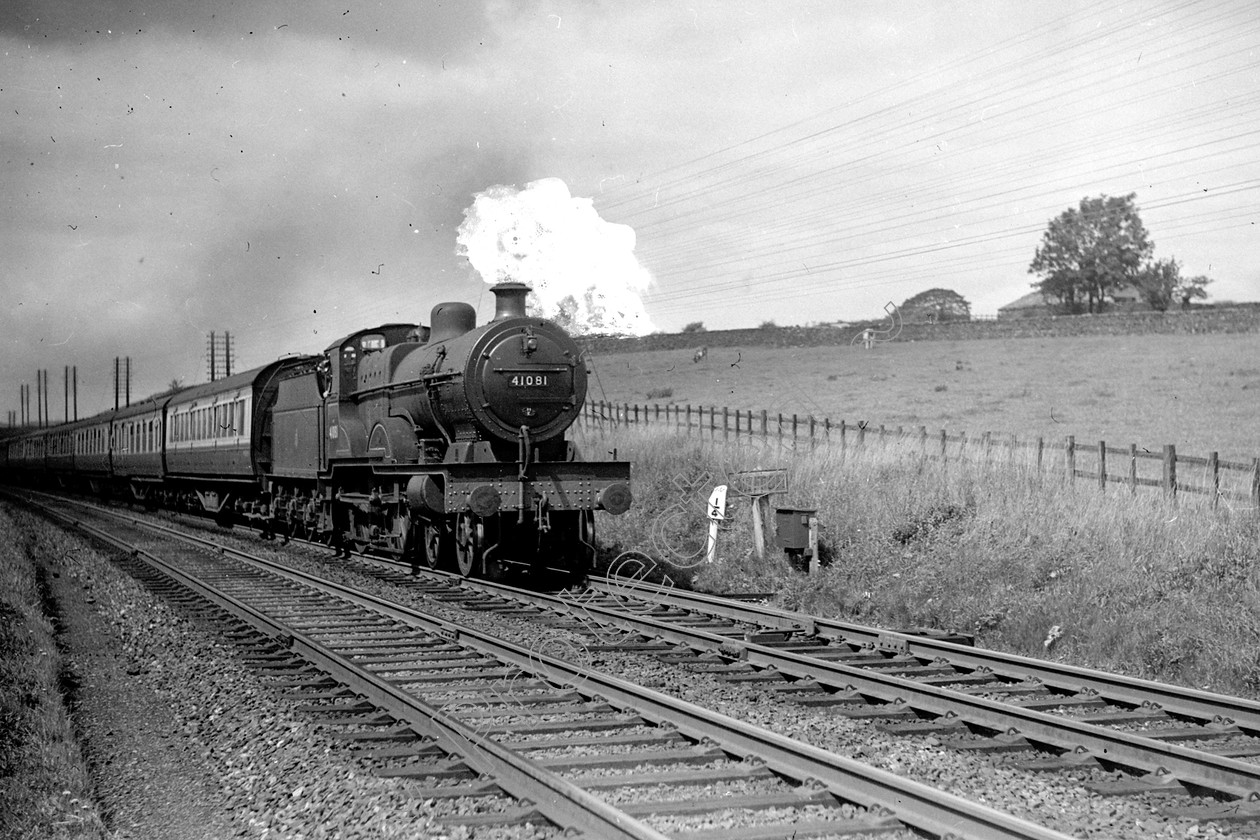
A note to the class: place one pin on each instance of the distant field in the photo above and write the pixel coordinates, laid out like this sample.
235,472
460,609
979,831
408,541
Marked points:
1198,392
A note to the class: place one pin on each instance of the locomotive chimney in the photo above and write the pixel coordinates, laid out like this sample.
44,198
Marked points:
509,300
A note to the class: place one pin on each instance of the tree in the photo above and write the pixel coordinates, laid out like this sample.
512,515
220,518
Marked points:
1087,253
936,305
1158,283
1161,283
694,327
1192,288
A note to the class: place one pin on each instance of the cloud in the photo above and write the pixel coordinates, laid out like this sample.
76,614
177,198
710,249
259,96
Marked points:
430,31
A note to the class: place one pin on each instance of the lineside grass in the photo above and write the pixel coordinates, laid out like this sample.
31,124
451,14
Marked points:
1133,583
44,783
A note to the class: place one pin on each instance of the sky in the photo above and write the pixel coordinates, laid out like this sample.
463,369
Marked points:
291,171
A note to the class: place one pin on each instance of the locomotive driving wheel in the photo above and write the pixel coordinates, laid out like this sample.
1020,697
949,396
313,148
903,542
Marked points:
436,544
469,544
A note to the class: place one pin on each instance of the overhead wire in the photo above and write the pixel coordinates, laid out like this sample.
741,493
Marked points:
785,249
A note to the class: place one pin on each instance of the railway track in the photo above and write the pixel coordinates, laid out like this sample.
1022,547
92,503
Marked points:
462,713
1133,736
1197,750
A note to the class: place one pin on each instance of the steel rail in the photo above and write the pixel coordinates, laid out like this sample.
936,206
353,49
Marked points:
562,802
1124,690
1163,760
917,805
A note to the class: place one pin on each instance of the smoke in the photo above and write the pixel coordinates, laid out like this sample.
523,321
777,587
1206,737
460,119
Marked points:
581,269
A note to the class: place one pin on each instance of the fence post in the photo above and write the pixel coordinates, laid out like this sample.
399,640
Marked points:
1170,470
1255,483
1102,465
811,431
1214,468
794,428
1069,457
944,445
726,435
861,440
1041,450
1133,468
764,434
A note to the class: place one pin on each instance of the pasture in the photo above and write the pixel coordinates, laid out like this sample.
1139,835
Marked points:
1199,392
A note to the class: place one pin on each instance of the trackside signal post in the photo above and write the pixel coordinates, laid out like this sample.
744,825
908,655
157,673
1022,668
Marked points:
760,485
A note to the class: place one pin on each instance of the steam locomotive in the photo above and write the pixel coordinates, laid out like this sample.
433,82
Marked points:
443,444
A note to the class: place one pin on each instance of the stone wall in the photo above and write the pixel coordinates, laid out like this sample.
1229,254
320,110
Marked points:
1203,319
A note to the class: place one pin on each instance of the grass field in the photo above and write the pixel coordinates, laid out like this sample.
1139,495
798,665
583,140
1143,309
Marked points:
1198,392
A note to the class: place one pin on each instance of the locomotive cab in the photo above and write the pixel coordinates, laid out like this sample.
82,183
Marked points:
352,368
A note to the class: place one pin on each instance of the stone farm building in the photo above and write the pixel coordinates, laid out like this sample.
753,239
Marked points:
1033,305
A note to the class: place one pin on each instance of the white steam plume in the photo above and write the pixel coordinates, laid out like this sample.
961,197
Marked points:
581,269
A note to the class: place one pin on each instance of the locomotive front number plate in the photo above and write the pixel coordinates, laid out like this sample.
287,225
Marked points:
529,380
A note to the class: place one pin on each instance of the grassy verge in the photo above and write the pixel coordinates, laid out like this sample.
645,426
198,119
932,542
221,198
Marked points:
1133,583
44,783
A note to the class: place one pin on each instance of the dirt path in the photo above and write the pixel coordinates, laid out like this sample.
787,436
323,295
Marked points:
149,782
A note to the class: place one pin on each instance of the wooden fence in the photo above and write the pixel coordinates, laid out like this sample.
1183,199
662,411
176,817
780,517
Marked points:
1131,467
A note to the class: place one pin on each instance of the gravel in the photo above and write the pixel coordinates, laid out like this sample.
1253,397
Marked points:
185,741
